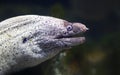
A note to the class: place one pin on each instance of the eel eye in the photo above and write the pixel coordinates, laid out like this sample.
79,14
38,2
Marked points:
69,28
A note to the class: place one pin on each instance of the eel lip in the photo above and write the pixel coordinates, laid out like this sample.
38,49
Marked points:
72,40
72,36
81,34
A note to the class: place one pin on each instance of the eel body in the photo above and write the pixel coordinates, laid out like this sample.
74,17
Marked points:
28,40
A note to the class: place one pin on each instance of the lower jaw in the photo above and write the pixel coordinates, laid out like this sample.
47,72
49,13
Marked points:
73,41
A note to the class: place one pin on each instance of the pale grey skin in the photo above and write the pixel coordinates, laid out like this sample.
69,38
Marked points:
28,40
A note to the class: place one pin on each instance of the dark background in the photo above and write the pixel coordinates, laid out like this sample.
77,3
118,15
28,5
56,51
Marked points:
100,55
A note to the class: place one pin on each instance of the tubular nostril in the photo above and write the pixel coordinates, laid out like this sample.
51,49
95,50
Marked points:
85,29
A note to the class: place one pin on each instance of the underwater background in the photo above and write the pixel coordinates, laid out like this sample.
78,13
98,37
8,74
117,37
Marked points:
99,55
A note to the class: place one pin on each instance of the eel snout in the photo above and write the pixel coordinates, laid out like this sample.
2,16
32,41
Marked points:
81,27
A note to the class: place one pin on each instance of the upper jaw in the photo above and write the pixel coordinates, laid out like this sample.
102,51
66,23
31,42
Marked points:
81,27
78,32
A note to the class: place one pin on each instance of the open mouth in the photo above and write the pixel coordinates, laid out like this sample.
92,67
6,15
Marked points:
76,38
71,36
72,40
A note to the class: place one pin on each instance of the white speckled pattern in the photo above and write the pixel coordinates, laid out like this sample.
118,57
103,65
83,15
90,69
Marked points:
28,40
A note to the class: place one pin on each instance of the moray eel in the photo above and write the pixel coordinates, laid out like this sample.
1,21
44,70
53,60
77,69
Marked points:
28,40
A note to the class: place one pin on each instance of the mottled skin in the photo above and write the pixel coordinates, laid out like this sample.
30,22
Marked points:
28,40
